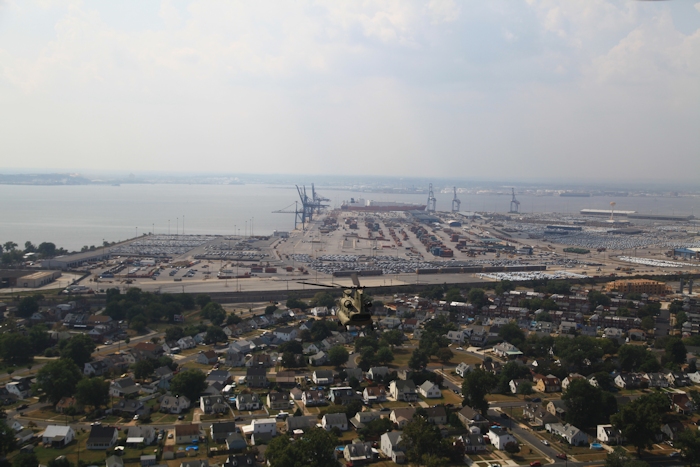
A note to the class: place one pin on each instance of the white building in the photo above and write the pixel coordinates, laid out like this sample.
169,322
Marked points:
500,437
429,390
264,425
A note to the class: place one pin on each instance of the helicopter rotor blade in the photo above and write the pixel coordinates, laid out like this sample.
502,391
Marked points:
320,285
355,280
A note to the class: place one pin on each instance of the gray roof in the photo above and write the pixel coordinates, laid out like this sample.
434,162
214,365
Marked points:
336,418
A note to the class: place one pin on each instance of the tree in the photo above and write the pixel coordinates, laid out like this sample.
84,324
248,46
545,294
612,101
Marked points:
289,360
214,313
58,379
636,357
93,392
315,449
15,348
454,295
385,355
504,287
640,420
525,388
60,461
675,351
294,302
323,299
189,383
143,368
338,355
444,355
79,348
393,337
476,385
419,360
7,438
269,309
27,306
174,333
584,404
202,300
215,334
477,297
512,333
688,441
46,249
9,246
422,440
29,247
595,298
25,459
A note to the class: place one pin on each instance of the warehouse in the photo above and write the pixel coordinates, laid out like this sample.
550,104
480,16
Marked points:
687,253
76,260
38,279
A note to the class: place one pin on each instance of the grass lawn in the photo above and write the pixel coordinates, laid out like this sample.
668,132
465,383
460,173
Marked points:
401,358
71,452
502,397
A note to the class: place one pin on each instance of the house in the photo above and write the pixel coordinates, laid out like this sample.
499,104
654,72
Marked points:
343,395
264,425
570,433
672,429
402,416
140,434
549,383
677,379
221,377
213,404
129,407
506,350
123,387
248,402
472,443
557,408
313,398
235,442
57,436
147,460
335,420
402,390
195,463
114,461
682,404
356,373
430,390
21,387
310,348
259,360
377,372
102,437
390,445
220,431
374,394
499,437
207,358
187,433
470,417
186,342
462,369
65,403
300,423
569,379
655,380
234,358
361,419
322,377
538,416
628,381
95,368
286,333
636,335
256,378
319,311
358,453
608,434
437,415
318,359
694,377
515,384
277,400
174,404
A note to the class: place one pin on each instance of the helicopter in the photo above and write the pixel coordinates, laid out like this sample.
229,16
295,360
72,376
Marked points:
353,308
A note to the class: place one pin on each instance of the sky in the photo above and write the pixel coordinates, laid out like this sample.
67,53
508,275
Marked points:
522,90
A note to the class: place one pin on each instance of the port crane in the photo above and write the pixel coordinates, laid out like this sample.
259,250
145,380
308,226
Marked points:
514,204
456,203
310,205
432,202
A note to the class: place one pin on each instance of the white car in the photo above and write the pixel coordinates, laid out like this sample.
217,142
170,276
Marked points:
545,442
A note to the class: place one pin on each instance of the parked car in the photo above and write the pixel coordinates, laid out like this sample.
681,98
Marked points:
561,455
535,464
545,442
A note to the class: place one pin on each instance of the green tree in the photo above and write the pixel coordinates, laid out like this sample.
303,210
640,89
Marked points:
477,297
385,355
444,355
27,306
58,379
7,439
189,383
9,246
525,388
323,299
476,385
640,420
143,368
93,392
60,461
25,459
504,287
46,249
596,298
15,348
215,334
393,337
584,404
269,309
422,440
315,449
202,300
454,295
294,302
512,333
635,358
675,351
79,348
419,360
174,333
289,360
688,442
214,313
338,355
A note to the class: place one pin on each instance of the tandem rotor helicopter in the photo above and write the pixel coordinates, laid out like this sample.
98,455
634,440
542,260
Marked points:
353,308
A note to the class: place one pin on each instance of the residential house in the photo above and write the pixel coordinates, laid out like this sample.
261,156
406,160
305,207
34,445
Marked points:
373,394
102,437
57,436
402,390
220,431
455,337
361,419
277,400
677,379
377,372
114,461
430,390
207,358
343,395
390,445
264,425
694,377
235,442
140,434
221,377
234,358
402,416
286,379
570,433
213,404
506,350
310,348
628,381
256,378
174,404
557,408
248,402
515,384
358,453
549,383
65,403
681,403
472,443
95,368
259,360
21,387
286,333
300,423
129,407
499,437
538,416
470,417
319,311
318,359
322,377
123,387
187,433
462,369
356,373
672,429
655,380
313,398
335,420
569,379
608,434
437,415
186,342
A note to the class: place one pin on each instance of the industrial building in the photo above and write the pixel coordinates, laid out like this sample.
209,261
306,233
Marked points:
37,279
77,259
605,212
646,286
687,253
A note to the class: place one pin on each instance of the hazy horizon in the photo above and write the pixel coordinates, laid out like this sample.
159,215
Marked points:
582,92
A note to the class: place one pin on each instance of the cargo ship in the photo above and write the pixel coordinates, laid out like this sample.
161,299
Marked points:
379,206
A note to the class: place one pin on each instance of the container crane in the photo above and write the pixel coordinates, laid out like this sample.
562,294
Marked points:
514,204
456,203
